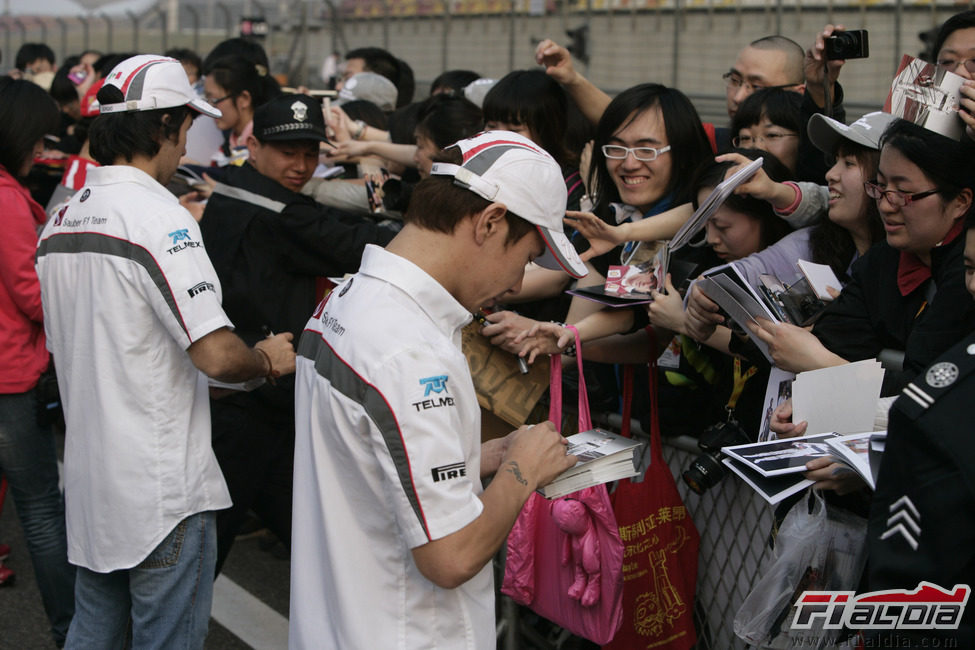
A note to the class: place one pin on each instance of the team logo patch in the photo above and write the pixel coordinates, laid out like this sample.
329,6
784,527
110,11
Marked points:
299,111
181,241
941,374
448,472
85,195
197,289
436,384
345,289
58,219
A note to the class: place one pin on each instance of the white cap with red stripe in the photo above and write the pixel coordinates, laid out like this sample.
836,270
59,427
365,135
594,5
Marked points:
151,81
509,168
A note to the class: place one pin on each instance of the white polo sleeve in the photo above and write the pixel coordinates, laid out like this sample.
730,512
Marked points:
180,281
430,458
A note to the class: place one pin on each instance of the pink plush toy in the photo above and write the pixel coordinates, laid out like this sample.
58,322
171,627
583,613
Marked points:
581,546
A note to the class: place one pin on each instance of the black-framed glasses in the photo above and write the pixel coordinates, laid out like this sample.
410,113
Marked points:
896,198
734,81
952,64
749,141
214,102
645,154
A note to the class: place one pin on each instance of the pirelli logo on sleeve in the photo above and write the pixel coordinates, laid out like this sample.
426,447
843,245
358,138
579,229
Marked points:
197,289
448,472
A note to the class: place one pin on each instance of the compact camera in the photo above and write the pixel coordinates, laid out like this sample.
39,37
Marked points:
707,470
847,45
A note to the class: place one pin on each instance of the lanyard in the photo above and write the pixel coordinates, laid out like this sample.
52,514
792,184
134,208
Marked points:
739,386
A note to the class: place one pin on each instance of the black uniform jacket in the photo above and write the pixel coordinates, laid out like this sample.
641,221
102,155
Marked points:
269,245
922,518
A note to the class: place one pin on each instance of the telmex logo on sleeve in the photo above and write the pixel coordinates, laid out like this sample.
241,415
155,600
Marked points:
436,384
928,607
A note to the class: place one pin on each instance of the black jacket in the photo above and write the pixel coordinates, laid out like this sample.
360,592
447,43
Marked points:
269,245
871,314
922,518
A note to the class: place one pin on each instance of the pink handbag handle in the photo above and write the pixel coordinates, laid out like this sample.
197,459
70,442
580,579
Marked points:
555,389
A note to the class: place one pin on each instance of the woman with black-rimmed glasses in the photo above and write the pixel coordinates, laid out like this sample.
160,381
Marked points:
907,293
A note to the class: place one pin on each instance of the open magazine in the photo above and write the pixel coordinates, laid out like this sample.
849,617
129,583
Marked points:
775,469
603,457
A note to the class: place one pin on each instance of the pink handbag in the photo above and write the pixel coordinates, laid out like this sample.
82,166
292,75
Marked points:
565,556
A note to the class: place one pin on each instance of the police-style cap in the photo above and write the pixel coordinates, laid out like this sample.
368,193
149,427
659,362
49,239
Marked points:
149,82
290,117
509,168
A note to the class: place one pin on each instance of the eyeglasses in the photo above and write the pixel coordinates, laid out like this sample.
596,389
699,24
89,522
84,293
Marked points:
646,154
214,102
749,141
952,64
734,82
896,198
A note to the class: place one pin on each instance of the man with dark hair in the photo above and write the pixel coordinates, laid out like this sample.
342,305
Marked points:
34,58
271,248
132,315
378,60
393,532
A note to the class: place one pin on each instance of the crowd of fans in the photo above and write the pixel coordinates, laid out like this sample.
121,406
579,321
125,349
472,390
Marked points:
289,189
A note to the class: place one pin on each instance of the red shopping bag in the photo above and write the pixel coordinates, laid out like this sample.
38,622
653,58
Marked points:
575,581
660,548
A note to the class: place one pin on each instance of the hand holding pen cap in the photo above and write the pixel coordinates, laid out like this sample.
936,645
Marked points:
481,318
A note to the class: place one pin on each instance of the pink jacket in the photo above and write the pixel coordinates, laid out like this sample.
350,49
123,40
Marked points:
23,356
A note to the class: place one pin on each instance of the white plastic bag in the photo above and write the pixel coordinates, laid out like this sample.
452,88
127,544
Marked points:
818,548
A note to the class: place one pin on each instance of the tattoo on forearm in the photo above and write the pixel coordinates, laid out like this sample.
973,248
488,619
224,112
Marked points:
516,472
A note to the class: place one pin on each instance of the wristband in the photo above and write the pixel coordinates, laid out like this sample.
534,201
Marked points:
360,130
785,212
270,376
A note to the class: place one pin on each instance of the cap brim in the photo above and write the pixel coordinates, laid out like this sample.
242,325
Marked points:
826,133
205,108
560,254
292,136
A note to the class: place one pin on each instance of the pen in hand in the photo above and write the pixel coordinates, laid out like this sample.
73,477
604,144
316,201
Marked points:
266,331
482,321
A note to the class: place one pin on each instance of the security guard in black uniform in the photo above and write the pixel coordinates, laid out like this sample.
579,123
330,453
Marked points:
922,518
271,246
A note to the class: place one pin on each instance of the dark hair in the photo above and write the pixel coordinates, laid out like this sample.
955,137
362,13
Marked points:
27,113
242,48
963,20
782,107
773,228
685,134
453,82
30,52
62,89
237,75
396,70
402,123
368,112
186,55
831,243
438,204
130,134
535,100
445,119
948,163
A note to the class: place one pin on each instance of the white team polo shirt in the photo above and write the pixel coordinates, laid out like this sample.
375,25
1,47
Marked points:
127,286
387,458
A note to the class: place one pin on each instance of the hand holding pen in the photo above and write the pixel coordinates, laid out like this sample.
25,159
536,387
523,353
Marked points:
493,323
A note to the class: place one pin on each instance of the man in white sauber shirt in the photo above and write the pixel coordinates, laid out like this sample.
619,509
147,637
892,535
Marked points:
393,534
132,315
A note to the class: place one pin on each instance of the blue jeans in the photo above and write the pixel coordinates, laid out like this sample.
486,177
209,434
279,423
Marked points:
168,596
28,458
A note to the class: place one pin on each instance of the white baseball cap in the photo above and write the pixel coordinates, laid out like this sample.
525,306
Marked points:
509,168
151,81
826,133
